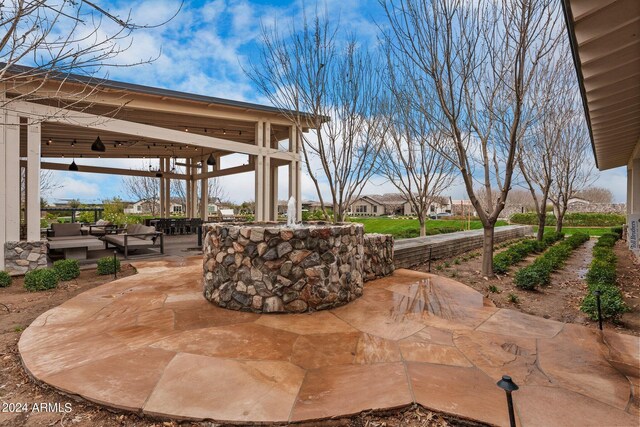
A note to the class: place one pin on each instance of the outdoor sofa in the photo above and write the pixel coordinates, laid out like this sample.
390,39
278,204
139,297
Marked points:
136,236
69,239
100,228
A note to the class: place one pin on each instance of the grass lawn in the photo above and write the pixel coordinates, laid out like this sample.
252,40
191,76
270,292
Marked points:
592,231
402,228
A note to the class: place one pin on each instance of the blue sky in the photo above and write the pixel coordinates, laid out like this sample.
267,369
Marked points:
202,50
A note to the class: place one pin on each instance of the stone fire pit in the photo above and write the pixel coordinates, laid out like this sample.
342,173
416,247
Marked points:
269,268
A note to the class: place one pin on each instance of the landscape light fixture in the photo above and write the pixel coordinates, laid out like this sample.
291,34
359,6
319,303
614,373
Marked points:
73,167
98,146
211,161
507,384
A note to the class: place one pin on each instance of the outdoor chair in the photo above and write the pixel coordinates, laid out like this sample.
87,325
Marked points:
100,228
136,236
227,215
69,239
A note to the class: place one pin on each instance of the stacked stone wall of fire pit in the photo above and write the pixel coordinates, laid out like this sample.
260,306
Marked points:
21,257
378,256
269,268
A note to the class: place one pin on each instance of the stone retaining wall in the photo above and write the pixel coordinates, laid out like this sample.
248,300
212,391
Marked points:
411,252
266,268
23,256
378,256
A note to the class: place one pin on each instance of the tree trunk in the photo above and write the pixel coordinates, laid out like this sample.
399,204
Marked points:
423,227
487,251
542,221
559,220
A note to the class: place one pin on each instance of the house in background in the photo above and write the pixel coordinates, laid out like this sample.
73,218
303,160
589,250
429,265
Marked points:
463,207
394,204
378,205
147,207
441,205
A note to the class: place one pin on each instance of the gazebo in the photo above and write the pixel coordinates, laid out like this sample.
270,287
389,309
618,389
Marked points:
75,117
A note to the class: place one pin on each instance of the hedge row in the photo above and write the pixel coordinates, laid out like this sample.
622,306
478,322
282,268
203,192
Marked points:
516,253
47,278
602,276
572,219
539,272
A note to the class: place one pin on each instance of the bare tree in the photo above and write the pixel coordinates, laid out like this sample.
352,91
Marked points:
552,101
143,188
475,63
56,38
409,162
573,169
337,83
596,195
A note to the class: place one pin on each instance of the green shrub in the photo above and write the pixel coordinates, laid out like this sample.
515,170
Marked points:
611,303
602,276
572,219
519,251
67,269
107,265
5,279
532,276
40,280
539,272
617,230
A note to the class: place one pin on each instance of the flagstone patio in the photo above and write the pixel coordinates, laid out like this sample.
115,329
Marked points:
152,344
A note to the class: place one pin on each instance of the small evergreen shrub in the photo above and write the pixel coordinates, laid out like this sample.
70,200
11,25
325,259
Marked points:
106,265
611,303
516,253
539,272
5,279
67,269
40,280
617,230
602,276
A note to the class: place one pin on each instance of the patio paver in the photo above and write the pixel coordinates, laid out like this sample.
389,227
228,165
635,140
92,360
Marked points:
150,343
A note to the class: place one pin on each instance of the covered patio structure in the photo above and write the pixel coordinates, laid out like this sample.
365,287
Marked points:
605,41
75,117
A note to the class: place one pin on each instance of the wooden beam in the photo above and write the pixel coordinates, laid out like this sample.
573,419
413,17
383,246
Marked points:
105,170
92,121
228,171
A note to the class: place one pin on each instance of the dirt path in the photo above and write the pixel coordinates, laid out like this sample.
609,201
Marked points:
19,308
559,301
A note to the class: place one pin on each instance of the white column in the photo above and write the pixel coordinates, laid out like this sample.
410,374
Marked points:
12,177
266,189
33,180
187,186
629,190
3,181
274,193
298,178
635,187
259,174
162,181
167,189
204,195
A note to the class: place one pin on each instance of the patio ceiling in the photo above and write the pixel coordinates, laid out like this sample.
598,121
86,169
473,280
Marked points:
605,40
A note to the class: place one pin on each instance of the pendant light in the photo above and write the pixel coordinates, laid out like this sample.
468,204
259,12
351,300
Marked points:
98,145
73,167
211,161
